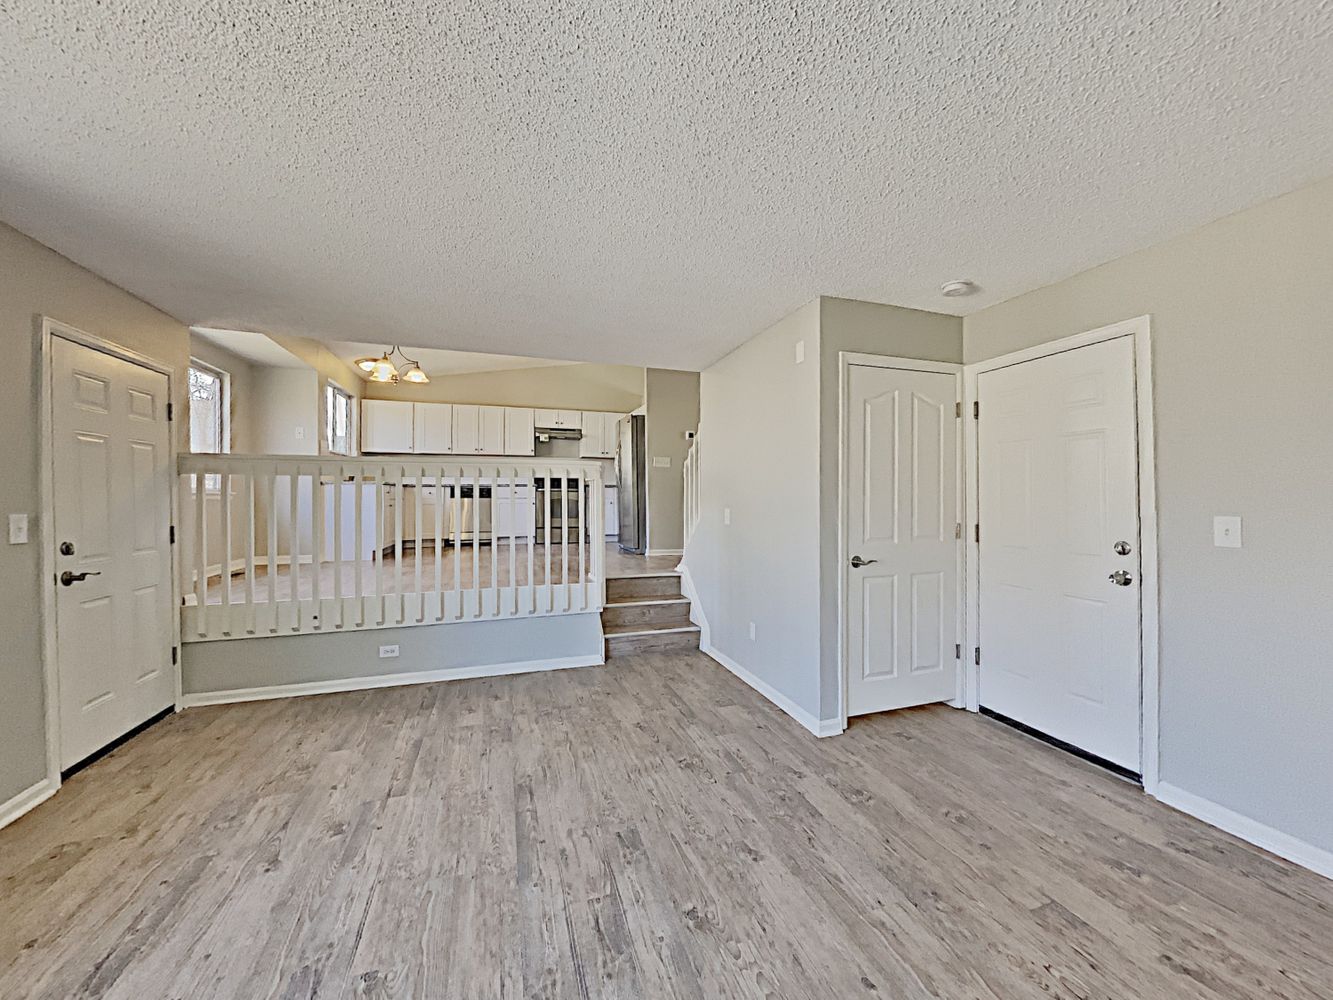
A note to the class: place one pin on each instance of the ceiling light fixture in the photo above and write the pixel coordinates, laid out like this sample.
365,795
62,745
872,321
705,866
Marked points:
382,369
957,289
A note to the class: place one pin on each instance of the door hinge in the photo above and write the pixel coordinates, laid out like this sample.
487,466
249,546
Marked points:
958,409
957,650
977,533
976,409
976,656
958,530
171,534
173,655
170,412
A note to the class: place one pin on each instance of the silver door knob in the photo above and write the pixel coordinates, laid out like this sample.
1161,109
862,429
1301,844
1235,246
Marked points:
1120,578
1121,548
858,562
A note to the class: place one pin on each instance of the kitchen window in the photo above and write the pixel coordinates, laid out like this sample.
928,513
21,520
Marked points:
337,419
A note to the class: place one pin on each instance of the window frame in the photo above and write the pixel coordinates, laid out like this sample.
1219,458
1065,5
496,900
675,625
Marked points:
332,393
212,483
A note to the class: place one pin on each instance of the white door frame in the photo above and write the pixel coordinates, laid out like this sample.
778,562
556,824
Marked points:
51,329
1140,330
846,359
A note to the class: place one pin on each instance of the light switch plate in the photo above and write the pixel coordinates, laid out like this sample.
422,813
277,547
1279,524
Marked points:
661,461
752,631
18,529
1226,531
800,351
726,515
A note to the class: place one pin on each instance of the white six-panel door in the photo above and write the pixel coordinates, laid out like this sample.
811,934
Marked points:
1058,508
901,487
111,476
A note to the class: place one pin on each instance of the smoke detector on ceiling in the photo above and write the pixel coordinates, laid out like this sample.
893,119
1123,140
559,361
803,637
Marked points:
957,289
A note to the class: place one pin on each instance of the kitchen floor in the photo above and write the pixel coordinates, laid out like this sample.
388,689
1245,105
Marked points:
498,564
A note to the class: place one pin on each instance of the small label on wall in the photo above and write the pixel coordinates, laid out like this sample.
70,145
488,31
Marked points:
661,461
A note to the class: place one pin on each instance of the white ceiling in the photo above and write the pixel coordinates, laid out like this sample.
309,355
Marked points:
437,362
645,184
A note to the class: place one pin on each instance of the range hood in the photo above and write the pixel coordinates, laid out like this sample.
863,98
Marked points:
559,434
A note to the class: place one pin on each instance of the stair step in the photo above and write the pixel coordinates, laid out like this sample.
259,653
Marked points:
648,628
645,613
652,641
643,587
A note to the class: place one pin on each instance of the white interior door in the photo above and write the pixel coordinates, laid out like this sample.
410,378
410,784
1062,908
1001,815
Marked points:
111,474
1058,507
902,578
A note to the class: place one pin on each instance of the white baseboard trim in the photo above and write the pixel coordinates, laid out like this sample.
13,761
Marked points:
26,801
820,727
199,699
665,552
1284,845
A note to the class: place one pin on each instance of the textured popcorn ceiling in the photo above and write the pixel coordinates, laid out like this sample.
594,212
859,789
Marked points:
638,182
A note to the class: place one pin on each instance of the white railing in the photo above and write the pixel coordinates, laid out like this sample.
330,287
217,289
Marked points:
284,545
691,472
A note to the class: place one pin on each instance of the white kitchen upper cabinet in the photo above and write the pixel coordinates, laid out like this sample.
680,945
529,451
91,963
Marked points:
491,430
386,426
563,419
433,428
520,434
599,434
467,429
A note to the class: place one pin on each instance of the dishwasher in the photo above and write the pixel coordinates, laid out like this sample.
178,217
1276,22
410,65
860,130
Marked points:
473,509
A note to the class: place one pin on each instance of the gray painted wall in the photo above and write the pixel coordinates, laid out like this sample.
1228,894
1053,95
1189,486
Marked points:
1243,352
36,281
868,328
759,441
303,659
671,402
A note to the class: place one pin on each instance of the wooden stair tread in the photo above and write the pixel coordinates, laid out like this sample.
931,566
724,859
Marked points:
649,628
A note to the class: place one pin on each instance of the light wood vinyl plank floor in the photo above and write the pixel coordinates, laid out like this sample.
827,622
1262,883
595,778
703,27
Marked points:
652,828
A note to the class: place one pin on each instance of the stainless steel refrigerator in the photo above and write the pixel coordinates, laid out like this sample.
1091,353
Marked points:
632,483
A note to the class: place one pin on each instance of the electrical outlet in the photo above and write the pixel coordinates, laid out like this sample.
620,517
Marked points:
388,652
752,631
18,529
300,433
661,461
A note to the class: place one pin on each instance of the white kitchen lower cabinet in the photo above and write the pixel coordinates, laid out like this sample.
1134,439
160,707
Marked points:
611,511
513,511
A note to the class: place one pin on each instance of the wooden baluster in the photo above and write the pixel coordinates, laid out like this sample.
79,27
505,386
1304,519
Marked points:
476,541
294,545
224,572
317,540
513,534
250,550
271,544
532,543
201,553
338,545
417,544
439,543
358,544
582,532
457,520
546,544
564,534
399,472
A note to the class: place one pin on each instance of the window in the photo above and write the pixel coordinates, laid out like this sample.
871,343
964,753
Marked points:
209,399
208,410
337,419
